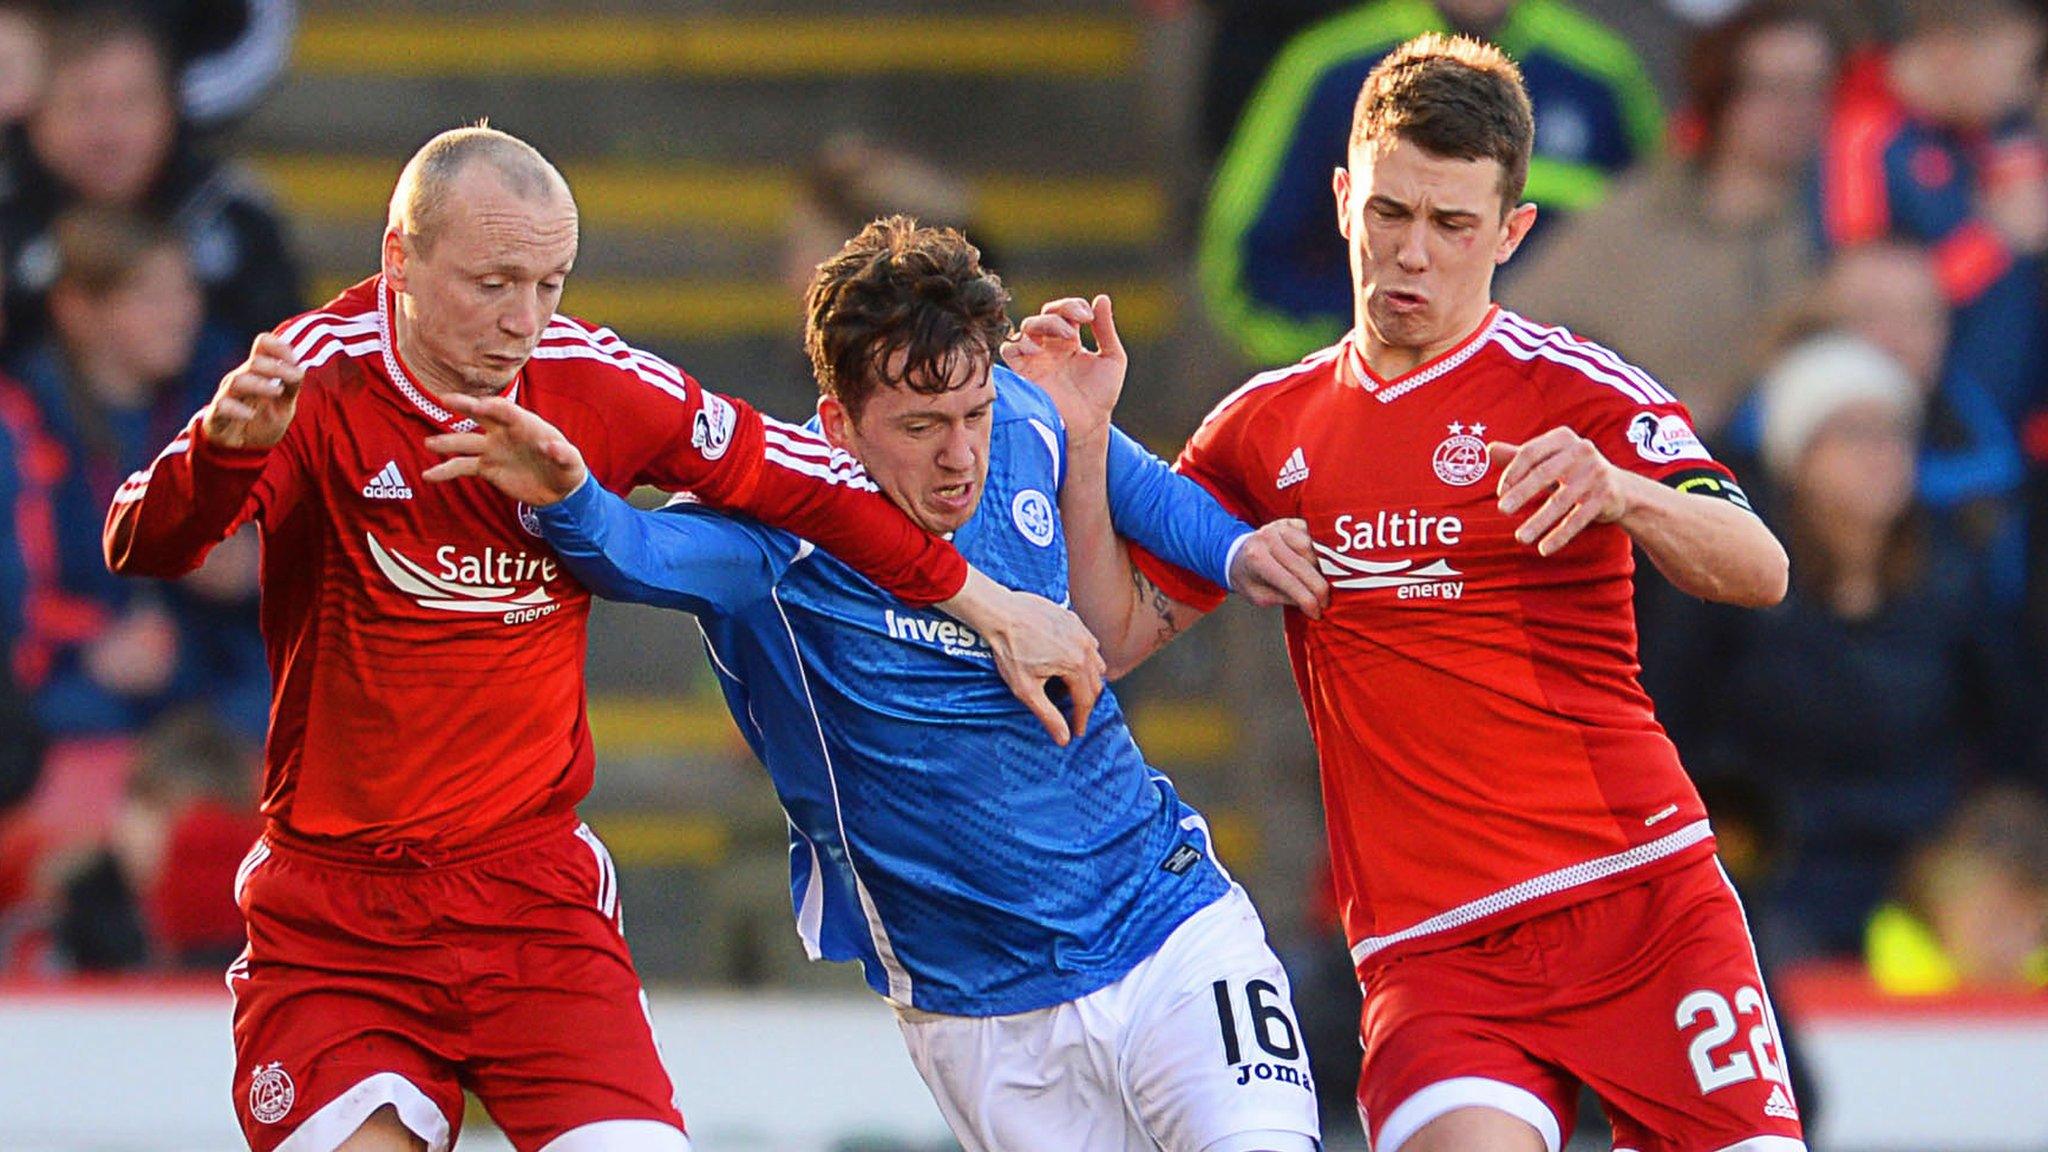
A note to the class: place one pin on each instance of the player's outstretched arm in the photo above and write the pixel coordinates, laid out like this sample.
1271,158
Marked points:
1034,640
1705,546
168,516
1114,487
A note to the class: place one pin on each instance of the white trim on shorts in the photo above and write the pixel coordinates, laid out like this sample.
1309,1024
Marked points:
324,1130
1265,1140
1446,1096
1768,1144
620,1136
1549,884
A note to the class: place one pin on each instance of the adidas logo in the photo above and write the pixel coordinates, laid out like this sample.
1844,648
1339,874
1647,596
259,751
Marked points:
1780,1104
1293,472
387,484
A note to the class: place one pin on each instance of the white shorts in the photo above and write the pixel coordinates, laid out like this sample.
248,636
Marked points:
1194,1050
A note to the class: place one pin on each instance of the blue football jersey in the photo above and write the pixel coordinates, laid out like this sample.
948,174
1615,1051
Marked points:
937,834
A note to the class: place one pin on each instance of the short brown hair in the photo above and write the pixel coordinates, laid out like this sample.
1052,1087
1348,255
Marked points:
898,287
1451,96
99,250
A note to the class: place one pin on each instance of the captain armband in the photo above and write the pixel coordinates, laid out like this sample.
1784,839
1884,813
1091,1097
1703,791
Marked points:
1701,482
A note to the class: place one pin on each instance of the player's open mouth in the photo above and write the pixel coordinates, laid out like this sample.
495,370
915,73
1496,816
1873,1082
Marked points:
953,494
1402,301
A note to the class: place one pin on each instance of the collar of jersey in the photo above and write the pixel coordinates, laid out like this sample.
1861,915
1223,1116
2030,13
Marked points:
419,398
1393,389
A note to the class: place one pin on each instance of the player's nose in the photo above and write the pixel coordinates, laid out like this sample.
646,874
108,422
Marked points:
525,316
1413,251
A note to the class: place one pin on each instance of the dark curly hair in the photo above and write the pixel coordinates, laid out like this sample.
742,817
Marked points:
894,288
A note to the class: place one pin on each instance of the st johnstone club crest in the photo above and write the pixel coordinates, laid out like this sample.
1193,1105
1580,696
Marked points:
1461,458
1032,511
529,519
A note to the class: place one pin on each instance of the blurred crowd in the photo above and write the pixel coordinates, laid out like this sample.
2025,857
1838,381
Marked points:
137,261
1827,238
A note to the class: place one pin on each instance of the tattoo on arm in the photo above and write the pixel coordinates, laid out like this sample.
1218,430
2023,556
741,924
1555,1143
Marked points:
1153,597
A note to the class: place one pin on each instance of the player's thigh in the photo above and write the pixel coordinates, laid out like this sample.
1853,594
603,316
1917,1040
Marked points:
1475,1129
1688,1058
1040,1079
1445,1052
1214,1057
383,1132
560,1039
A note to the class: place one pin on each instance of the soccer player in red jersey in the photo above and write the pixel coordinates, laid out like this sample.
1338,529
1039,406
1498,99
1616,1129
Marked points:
425,913
1525,873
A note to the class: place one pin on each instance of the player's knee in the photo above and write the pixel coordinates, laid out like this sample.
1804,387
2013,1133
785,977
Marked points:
382,1132
620,1136
1475,1129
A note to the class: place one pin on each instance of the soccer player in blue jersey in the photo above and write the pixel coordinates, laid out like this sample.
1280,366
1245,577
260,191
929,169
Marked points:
1071,966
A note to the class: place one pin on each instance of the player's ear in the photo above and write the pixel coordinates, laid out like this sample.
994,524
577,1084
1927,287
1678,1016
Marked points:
395,255
1340,187
836,423
1521,218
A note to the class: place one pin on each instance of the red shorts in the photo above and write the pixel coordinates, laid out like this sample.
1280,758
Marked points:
1648,995
503,971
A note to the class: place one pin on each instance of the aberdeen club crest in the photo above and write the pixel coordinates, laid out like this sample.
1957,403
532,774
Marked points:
270,1094
1461,458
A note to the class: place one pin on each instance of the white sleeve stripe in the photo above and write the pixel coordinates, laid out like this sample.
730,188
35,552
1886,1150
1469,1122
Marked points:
813,450
605,340
1564,341
811,468
309,339
291,332
327,351
797,440
573,352
137,484
1513,344
626,354
1605,355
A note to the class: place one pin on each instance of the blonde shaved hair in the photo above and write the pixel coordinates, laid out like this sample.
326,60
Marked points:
420,201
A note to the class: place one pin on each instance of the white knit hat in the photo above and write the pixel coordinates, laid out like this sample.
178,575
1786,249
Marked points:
1817,378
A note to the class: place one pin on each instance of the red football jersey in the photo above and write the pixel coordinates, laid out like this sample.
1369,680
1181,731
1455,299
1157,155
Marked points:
426,648
1486,750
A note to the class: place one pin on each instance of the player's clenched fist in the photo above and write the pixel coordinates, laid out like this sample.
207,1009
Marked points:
1584,488
1277,566
256,400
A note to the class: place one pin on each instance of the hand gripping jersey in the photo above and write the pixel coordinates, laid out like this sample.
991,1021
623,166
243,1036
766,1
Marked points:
426,647
1486,750
936,833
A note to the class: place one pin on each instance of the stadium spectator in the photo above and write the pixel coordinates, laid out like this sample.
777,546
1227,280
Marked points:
1476,484
1931,143
1972,910
1874,614
1273,275
21,62
227,53
107,135
851,182
429,740
126,362
160,892
1053,984
1686,261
